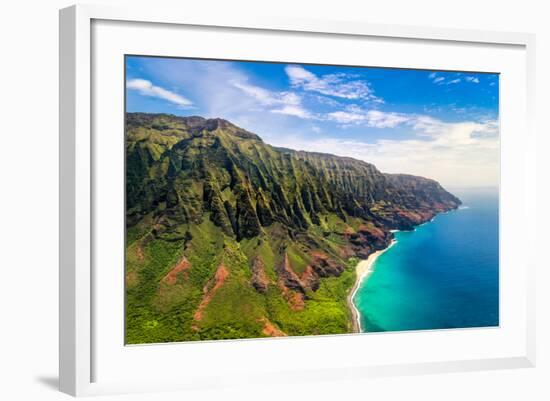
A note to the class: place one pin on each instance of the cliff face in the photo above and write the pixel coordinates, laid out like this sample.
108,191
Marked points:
282,223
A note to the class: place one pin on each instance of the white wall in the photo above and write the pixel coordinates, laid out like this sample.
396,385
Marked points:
28,197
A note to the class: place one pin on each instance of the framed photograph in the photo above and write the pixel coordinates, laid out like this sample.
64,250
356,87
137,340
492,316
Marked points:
286,200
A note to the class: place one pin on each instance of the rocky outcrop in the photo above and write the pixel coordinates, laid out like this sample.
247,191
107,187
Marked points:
260,281
310,278
325,266
288,277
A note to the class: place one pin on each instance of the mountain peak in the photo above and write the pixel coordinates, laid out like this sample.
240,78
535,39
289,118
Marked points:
214,124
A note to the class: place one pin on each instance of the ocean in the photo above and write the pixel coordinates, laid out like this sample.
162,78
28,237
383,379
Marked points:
443,275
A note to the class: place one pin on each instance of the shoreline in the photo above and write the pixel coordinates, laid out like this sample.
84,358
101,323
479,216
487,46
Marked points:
363,270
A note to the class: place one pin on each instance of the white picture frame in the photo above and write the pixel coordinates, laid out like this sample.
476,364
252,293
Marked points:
78,164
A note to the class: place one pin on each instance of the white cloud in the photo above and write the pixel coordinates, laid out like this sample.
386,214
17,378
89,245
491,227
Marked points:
437,79
325,100
381,119
296,111
455,154
316,129
287,103
266,97
426,125
337,85
371,118
147,88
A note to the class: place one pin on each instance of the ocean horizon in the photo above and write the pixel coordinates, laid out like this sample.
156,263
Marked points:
442,275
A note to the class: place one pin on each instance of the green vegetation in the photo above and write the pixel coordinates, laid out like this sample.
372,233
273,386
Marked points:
228,237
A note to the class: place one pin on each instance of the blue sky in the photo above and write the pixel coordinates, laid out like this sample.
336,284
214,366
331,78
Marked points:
443,125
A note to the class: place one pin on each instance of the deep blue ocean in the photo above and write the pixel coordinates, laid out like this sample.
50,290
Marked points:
442,275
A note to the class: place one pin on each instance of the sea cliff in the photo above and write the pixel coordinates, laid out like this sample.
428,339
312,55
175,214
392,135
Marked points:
229,237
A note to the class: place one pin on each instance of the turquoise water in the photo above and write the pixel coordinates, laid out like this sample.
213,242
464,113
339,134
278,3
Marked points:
442,275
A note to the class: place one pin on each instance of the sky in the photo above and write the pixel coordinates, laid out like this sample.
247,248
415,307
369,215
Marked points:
437,124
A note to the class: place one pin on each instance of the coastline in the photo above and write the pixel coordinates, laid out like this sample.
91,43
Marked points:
365,267
363,270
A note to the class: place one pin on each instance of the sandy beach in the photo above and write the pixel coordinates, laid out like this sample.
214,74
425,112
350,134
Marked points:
363,269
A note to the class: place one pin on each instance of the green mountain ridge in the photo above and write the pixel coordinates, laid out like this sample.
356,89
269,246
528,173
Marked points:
229,237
